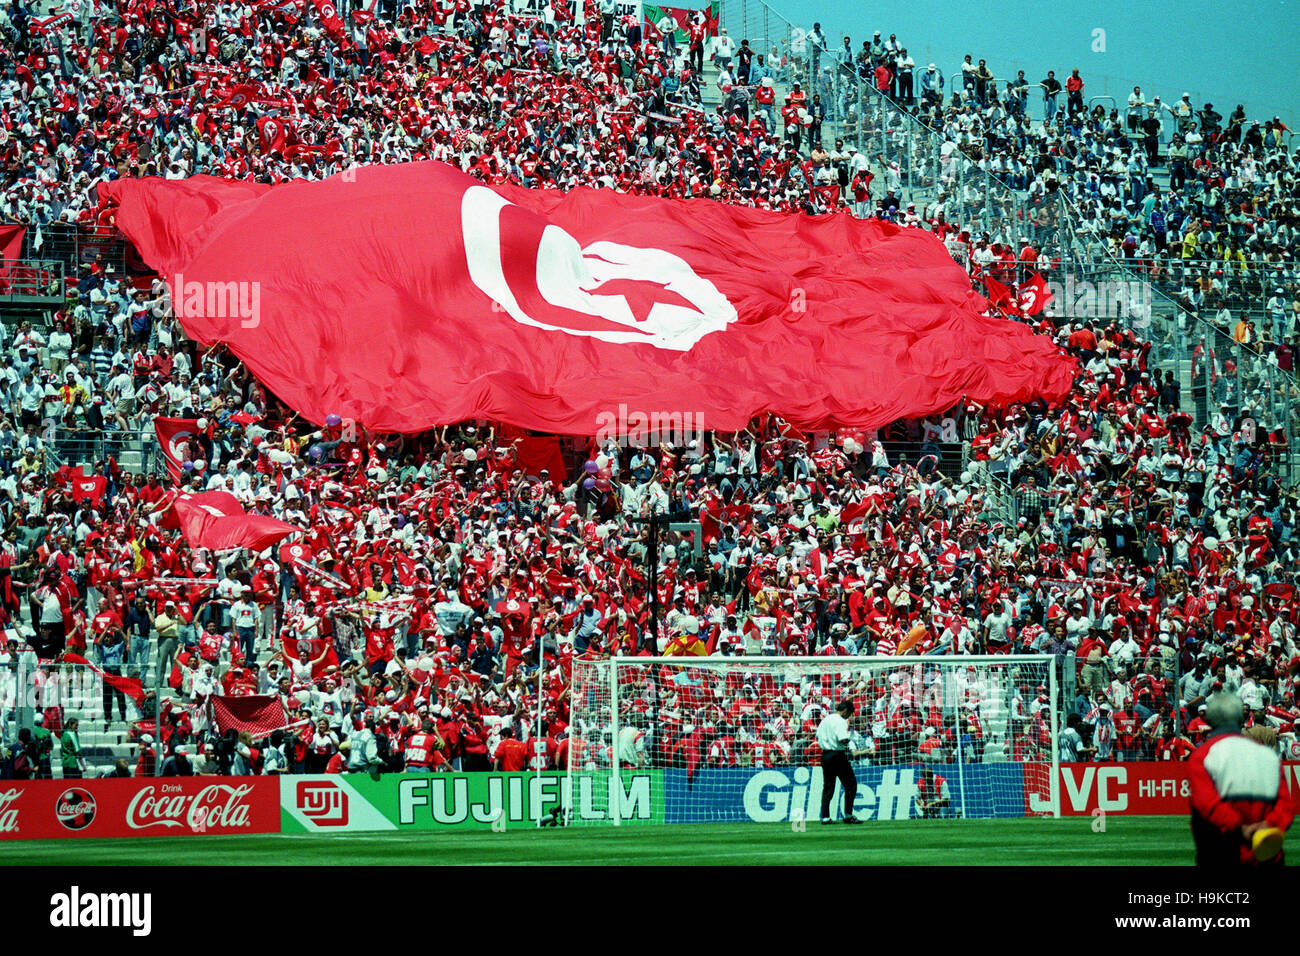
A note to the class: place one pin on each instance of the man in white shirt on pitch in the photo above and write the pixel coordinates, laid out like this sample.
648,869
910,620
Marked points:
833,737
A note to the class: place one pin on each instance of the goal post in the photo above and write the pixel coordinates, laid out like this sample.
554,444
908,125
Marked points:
718,739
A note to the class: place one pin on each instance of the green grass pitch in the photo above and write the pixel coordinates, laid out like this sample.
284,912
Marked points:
1127,841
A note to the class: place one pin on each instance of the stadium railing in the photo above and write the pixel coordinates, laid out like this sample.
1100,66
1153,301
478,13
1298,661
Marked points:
76,246
28,279
133,453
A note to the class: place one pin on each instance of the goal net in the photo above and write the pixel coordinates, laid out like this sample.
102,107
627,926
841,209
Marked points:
703,739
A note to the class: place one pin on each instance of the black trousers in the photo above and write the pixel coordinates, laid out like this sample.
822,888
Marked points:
835,766
111,693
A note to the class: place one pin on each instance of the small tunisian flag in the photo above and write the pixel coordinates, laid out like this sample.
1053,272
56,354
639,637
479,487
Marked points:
329,18
260,716
237,97
216,519
308,650
271,134
1034,295
88,489
173,436
430,298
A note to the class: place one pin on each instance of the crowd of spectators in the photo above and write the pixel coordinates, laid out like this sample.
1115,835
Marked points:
449,593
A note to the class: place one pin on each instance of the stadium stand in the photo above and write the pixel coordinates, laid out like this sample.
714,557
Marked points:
1144,532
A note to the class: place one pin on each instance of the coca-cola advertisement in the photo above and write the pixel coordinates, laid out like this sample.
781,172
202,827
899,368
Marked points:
153,806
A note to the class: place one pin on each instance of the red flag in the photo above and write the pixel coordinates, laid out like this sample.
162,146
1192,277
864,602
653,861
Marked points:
329,18
830,195
405,568
292,554
851,522
174,435
537,452
237,97
92,488
271,134
257,715
817,562
216,519
999,295
130,686
512,608
308,649
1034,295
551,310
11,248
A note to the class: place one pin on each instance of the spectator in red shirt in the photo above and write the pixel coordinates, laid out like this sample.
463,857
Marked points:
1074,92
512,754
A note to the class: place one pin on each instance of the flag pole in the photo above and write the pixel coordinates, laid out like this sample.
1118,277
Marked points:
157,717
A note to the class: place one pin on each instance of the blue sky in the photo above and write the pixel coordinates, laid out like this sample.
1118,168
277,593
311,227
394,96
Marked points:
1225,53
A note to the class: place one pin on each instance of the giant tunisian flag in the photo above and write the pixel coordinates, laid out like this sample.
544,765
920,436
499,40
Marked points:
413,295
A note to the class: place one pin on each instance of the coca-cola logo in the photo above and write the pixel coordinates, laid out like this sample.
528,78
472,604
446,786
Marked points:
215,807
8,812
75,808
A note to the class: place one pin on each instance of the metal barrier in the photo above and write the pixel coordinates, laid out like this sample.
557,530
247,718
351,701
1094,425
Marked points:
947,455
76,246
31,279
133,453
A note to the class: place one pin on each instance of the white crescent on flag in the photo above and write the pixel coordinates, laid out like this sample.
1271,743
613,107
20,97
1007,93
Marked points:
556,279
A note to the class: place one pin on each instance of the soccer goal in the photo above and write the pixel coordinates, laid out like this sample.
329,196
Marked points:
719,739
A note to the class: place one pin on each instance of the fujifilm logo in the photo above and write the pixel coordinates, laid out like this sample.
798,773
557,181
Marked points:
77,910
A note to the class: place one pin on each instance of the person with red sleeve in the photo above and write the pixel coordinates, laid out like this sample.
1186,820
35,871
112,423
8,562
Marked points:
1074,92
696,34
473,742
511,755
424,750
1126,731
1240,805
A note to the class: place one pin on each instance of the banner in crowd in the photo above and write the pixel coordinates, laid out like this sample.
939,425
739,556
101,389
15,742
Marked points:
628,13
659,18
147,806
1125,788
563,11
441,300
432,801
